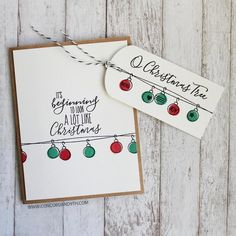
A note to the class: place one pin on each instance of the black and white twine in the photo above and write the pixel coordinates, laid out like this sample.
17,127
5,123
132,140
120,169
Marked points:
112,65
97,62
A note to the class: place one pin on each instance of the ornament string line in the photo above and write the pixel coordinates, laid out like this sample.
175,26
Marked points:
109,64
81,139
164,89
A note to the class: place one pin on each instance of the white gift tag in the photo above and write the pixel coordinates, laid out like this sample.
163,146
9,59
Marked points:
162,89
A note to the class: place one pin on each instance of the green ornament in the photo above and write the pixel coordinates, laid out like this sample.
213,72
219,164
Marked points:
132,147
193,115
160,99
53,152
89,151
147,96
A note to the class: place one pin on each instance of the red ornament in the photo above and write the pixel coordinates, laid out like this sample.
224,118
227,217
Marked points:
65,154
116,147
173,109
126,85
23,156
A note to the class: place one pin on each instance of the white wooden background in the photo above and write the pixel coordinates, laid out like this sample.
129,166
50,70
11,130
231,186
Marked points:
190,185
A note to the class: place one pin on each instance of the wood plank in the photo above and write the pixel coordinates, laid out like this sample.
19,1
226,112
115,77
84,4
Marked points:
87,219
182,24
86,19
215,144
232,131
49,17
138,215
8,38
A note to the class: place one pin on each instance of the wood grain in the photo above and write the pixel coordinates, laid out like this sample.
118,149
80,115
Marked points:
8,38
138,215
87,220
231,221
49,17
215,143
180,153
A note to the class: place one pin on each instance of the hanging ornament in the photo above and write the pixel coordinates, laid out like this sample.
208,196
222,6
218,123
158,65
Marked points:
88,151
193,115
126,84
64,153
53,151
116,146
23,156
161,98
132,147
173,109
148,96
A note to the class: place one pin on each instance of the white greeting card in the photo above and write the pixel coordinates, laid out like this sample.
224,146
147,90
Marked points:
76,141
162,89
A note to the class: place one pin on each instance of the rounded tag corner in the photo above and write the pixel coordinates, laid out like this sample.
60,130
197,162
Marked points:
106,83
110,70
